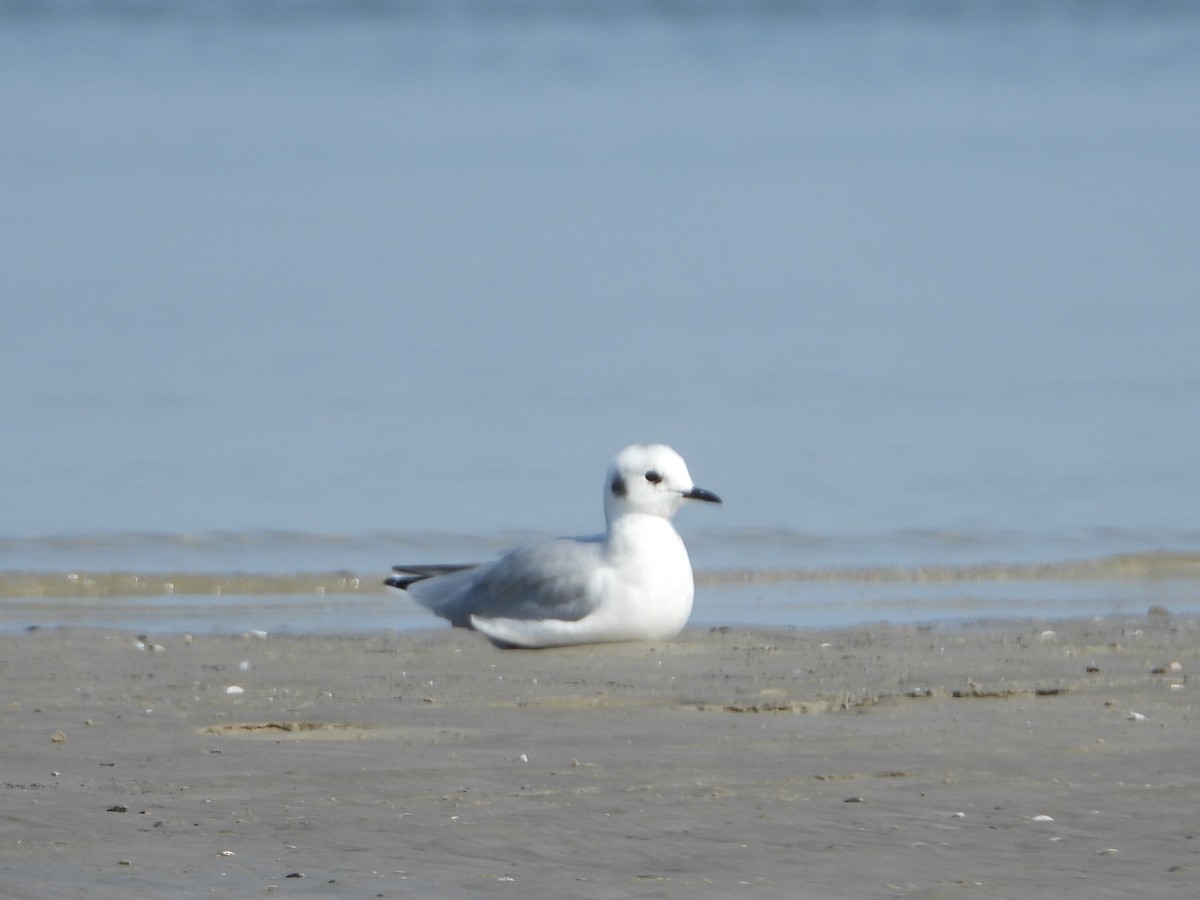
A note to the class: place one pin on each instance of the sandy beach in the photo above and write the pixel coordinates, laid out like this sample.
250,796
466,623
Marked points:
1010,759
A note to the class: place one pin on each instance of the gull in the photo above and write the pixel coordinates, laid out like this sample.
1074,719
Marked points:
631,583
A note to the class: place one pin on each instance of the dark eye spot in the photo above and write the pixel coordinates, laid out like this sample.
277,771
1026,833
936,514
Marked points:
618,486
653,477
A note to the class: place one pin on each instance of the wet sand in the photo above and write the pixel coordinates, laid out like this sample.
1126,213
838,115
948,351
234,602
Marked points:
1013,759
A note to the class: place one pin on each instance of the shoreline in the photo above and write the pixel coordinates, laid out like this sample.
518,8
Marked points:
1148,566
873,761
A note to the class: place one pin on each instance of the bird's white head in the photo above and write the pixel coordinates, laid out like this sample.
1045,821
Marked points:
651,479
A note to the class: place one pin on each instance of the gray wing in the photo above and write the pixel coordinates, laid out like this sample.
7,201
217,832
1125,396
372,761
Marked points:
550,580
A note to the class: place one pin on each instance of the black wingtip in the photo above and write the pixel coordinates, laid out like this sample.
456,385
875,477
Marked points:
409,575
403,583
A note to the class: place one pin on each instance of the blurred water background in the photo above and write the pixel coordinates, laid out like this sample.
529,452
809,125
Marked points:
297,286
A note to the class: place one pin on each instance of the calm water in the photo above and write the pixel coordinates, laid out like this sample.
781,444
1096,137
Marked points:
317,286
